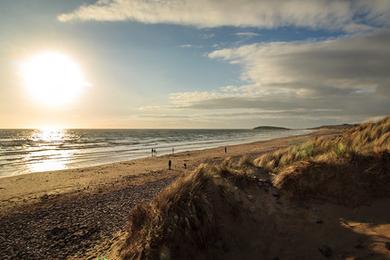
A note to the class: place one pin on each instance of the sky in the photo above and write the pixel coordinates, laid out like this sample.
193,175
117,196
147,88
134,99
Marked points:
201,64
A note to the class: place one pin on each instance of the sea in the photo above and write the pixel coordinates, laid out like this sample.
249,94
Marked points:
24,151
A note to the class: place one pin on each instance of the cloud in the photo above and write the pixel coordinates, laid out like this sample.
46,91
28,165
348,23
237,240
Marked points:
348,62
347,74
329,14
189,46
186,46
247,34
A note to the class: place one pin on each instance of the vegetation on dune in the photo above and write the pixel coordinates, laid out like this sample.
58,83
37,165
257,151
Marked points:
150,225
182,222
349,181
352,167
364,139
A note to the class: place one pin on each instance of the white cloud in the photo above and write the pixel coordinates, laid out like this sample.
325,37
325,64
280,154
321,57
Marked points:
186,46
349,62
330,14
349,74
247,34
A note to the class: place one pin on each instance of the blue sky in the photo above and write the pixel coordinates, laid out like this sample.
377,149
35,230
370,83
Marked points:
167,64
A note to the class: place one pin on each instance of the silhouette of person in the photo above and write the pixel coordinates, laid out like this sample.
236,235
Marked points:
169,164
185,166
225,149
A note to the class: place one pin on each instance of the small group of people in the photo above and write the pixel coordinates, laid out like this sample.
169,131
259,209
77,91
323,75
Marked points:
154,153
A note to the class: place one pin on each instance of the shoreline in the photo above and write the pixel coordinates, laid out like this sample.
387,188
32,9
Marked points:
26,188
65,156
247,142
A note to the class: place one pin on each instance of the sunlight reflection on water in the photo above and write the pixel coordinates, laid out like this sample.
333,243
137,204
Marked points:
50,159
49,134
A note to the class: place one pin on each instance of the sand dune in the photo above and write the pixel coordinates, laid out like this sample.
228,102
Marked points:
324,198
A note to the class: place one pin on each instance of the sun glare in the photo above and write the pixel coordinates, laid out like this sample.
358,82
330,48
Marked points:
52,78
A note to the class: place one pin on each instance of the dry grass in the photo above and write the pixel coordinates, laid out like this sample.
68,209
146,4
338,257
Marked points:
184,221
181,222
349,181
350,168
364,139
173,214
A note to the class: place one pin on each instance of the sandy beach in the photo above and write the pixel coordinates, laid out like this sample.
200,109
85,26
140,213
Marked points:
65,213
27,188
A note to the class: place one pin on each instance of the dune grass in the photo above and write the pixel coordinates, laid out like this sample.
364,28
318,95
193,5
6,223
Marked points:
365,139
181,223
349,181
350,168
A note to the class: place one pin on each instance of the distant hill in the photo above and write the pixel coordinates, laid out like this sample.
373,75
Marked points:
270,128
343,126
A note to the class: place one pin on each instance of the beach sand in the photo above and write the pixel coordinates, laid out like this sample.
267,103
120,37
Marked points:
67,213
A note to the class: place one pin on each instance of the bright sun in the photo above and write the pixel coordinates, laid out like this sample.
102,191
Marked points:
52,78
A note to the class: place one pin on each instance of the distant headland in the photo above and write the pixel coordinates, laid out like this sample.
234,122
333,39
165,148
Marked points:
342,126
270,128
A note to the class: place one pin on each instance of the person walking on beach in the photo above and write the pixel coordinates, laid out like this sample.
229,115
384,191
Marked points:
169,165
185,166
225,149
